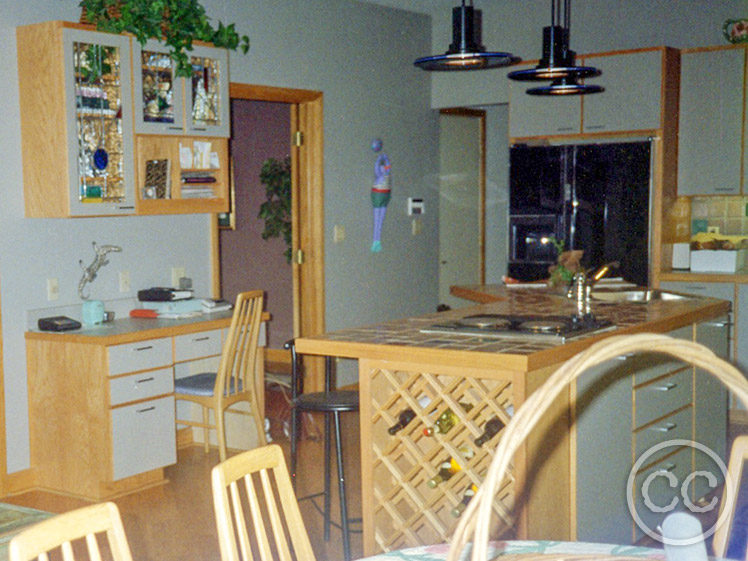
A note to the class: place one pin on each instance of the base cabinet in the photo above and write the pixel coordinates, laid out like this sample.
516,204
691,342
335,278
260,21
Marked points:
628,411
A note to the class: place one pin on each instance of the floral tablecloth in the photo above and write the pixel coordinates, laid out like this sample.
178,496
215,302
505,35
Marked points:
496,549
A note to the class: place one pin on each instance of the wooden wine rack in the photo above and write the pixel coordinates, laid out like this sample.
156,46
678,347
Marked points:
406,512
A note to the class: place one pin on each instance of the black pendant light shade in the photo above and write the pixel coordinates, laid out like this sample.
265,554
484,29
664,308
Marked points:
557,63
465,53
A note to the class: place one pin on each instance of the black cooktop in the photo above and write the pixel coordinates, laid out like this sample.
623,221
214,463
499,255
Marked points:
558,328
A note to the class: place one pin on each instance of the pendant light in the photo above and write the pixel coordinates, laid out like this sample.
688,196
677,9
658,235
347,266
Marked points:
557,63
465,53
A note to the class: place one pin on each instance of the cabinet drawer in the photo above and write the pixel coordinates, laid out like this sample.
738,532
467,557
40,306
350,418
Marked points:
648,366
197,345
676,426
141,386
662,396
143,355
143,437
659,491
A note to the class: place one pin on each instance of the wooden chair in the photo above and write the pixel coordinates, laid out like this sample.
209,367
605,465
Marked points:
257,514
731,536
235,380
71,532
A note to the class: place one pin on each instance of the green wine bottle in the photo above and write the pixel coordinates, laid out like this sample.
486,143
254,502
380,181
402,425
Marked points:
446,421
407,415
460,508
450,467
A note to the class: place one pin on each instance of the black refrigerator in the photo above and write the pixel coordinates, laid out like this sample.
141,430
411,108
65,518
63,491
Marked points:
595,197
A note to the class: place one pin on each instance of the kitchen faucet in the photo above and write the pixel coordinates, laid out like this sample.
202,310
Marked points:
582,283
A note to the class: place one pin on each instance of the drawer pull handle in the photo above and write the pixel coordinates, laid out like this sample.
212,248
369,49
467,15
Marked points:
666,469
202,339
175,128
625,356
152,408
144,380
719,323
665,387
149,347
667,427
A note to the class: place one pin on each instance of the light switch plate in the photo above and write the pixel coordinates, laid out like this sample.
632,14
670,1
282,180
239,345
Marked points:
124,281
53,289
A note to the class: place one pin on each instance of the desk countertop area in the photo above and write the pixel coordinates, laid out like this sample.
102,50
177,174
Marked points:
129,330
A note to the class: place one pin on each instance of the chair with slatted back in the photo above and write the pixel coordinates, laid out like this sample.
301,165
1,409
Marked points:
257,514
235,381
72,533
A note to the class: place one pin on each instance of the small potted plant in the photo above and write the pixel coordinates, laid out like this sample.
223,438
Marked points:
177,23
568,263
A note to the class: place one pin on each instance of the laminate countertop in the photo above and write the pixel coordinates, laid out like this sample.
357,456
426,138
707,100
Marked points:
402,339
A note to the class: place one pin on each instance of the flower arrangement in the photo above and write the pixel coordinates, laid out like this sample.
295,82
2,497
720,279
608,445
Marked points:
736,30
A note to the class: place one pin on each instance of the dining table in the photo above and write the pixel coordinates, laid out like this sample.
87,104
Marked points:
526,549
13,519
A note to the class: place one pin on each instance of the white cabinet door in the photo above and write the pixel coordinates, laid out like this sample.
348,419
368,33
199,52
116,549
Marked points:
143,437
710,129
603,425
531,115
98,112
710,403
632,97
168,104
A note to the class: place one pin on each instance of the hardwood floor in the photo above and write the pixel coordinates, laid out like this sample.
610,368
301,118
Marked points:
174,522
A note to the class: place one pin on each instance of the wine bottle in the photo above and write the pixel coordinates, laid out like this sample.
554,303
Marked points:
466,497
407,415
492,428
449,468
446,421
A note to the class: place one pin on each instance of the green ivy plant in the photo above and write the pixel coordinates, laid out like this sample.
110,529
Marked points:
177,23
276,210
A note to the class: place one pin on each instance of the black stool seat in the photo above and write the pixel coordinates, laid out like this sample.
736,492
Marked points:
338,400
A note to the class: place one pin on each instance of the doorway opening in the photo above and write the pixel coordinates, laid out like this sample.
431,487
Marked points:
462,194
300,313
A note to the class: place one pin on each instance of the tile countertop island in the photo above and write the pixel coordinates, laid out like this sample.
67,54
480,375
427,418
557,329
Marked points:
479,379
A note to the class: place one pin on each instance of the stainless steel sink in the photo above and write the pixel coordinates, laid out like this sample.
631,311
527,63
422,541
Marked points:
640,295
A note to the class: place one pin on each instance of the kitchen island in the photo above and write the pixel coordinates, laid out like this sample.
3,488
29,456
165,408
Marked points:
550,494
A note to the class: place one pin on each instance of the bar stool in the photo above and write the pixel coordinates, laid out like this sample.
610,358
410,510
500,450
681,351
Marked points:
331,403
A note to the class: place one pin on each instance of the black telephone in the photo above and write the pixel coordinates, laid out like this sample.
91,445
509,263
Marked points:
58,323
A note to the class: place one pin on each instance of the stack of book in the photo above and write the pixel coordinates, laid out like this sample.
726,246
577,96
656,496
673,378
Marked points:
197,184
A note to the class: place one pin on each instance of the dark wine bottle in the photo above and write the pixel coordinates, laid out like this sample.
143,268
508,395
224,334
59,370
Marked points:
491,429
405,417
460,508
450,467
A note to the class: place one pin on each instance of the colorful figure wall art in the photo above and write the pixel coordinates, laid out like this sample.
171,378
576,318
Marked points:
380,194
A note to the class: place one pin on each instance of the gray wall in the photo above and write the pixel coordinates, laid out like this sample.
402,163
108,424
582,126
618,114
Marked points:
360,57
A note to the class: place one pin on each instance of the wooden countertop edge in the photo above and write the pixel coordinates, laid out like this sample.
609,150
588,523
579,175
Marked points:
500,361
687,276
474,295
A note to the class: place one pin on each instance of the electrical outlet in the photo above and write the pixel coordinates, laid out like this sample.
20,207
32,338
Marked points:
124,281
712,229
416,227
176,274
53,289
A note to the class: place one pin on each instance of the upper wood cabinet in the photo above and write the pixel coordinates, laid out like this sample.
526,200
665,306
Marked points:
531,115
166,104
639,99
81,109
710,139
76,121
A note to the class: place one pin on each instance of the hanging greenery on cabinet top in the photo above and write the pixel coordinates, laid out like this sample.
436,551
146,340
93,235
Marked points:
176,23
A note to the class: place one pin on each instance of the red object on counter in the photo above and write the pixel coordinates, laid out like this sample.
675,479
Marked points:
142,313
